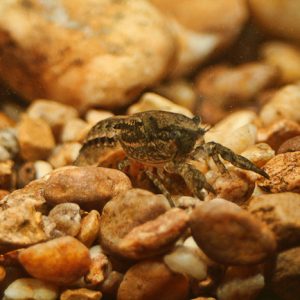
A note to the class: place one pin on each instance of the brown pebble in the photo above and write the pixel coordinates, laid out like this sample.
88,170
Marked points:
281,212
154,236
284,172
234,186
126,211
90,187
111,284
286,276
62,260
291,145
149,280
244,282
230,235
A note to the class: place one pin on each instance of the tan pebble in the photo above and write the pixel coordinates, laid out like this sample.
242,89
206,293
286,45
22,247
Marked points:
234,186
237,130
180,92
282,214
259,154
186,261
286,274
284,12
152,101
74,130
185,202
126,211
89,228
4,154
81,294
29,288
230,235
241,283
285,104
215,83
99,269
152,279
94,116
61,260
64,154
85,74
284,172
285,57
6,121
35,138
6,175
66,217
290,145
240,139
89,187
32,194
9,146
278,132
234,121
21,223
53,113
154,236
199,38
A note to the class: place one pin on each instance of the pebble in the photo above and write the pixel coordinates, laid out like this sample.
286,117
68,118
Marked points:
230,235
89,228
281,211
154,236
81,294
241,283
285,279
152,101
152,279
125,212
62,260
53,113
35,139
30,288
90,187
284,172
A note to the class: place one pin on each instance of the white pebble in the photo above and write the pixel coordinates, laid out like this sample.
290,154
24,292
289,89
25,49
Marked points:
29,288
42,168
185,261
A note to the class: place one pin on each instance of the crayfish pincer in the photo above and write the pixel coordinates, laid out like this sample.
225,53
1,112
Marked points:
161,141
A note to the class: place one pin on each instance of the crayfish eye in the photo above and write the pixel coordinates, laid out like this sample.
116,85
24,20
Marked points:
197,120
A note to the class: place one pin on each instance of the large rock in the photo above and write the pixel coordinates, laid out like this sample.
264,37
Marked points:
83,53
